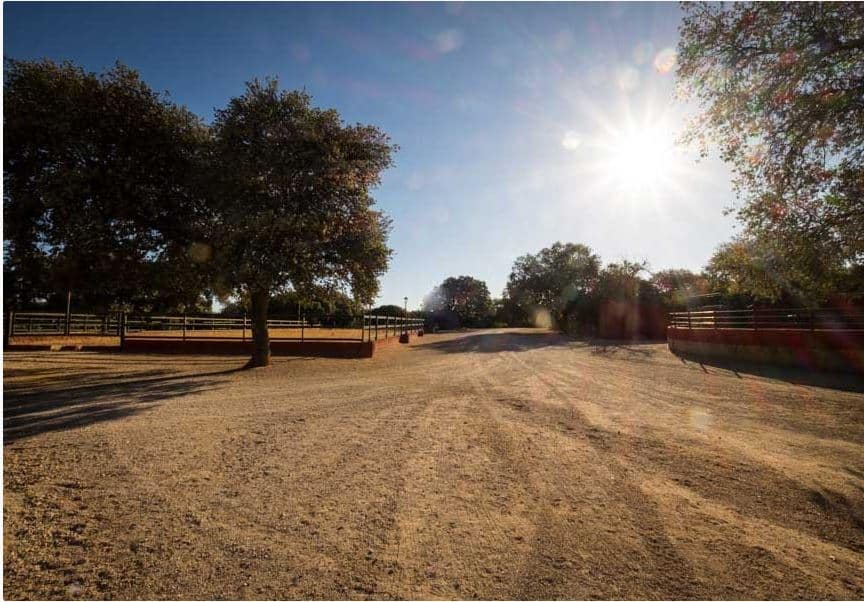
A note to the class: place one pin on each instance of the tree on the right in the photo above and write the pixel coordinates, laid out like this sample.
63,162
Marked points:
781,88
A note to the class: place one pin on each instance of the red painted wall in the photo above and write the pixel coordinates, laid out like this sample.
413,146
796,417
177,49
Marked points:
832,349
622,320
347,349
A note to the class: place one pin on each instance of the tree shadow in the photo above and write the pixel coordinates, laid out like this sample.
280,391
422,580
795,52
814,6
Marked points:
497,341
841,381
612,348
64,401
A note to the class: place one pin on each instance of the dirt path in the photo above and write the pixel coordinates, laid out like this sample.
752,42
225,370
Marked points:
494,464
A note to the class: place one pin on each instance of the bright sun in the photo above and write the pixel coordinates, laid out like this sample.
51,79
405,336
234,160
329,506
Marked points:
630,156
638,157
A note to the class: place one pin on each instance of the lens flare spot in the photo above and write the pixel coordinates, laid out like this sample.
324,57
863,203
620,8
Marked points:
571,140
448,40
665,60
643,52
541,318
627,79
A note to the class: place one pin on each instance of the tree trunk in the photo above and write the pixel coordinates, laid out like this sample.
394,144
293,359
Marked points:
260,336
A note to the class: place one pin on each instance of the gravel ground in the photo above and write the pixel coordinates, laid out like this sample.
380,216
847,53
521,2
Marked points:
490,464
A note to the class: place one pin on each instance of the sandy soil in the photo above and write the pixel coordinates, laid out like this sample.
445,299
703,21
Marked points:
63,340
492,464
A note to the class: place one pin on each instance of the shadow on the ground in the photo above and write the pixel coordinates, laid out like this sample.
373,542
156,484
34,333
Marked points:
57,401
522,340
611,348
842,381
497,341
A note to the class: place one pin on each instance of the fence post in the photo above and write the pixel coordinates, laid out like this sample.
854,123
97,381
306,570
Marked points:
689,321
244,326
302,328
714,315
184,325
376,328
122,325
68,328
7,333
755,324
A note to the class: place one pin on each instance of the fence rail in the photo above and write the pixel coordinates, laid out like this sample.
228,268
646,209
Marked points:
368,327
46,324
375,327
769,319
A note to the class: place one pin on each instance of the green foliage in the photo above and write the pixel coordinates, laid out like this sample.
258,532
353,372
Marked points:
553,279
509,313
780,85
295,305
99,192
316,306
765,271
388,310
674,286
620,282
291,195
460,301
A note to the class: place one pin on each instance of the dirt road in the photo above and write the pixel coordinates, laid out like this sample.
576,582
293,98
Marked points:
493,464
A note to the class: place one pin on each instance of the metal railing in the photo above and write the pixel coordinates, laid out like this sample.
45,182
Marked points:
383,327
51,324
367,327
225,327
769,319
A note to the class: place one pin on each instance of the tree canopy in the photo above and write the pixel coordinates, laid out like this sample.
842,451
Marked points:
780,85
554,278
389,310
676,286
460,301
99,189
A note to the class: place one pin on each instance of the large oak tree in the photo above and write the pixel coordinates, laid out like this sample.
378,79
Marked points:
99,189
291,198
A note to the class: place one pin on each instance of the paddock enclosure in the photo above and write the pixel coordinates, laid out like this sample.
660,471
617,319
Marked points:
824,339
493,464
211,334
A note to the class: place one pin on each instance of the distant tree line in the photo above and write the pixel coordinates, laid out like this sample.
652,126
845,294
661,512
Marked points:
562,286
117,194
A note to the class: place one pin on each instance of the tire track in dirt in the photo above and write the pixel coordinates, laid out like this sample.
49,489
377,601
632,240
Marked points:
561,510
673,464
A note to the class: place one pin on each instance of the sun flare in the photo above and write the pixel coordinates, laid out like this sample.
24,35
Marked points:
639,157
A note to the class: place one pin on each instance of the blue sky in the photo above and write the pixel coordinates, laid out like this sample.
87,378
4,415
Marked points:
518,124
